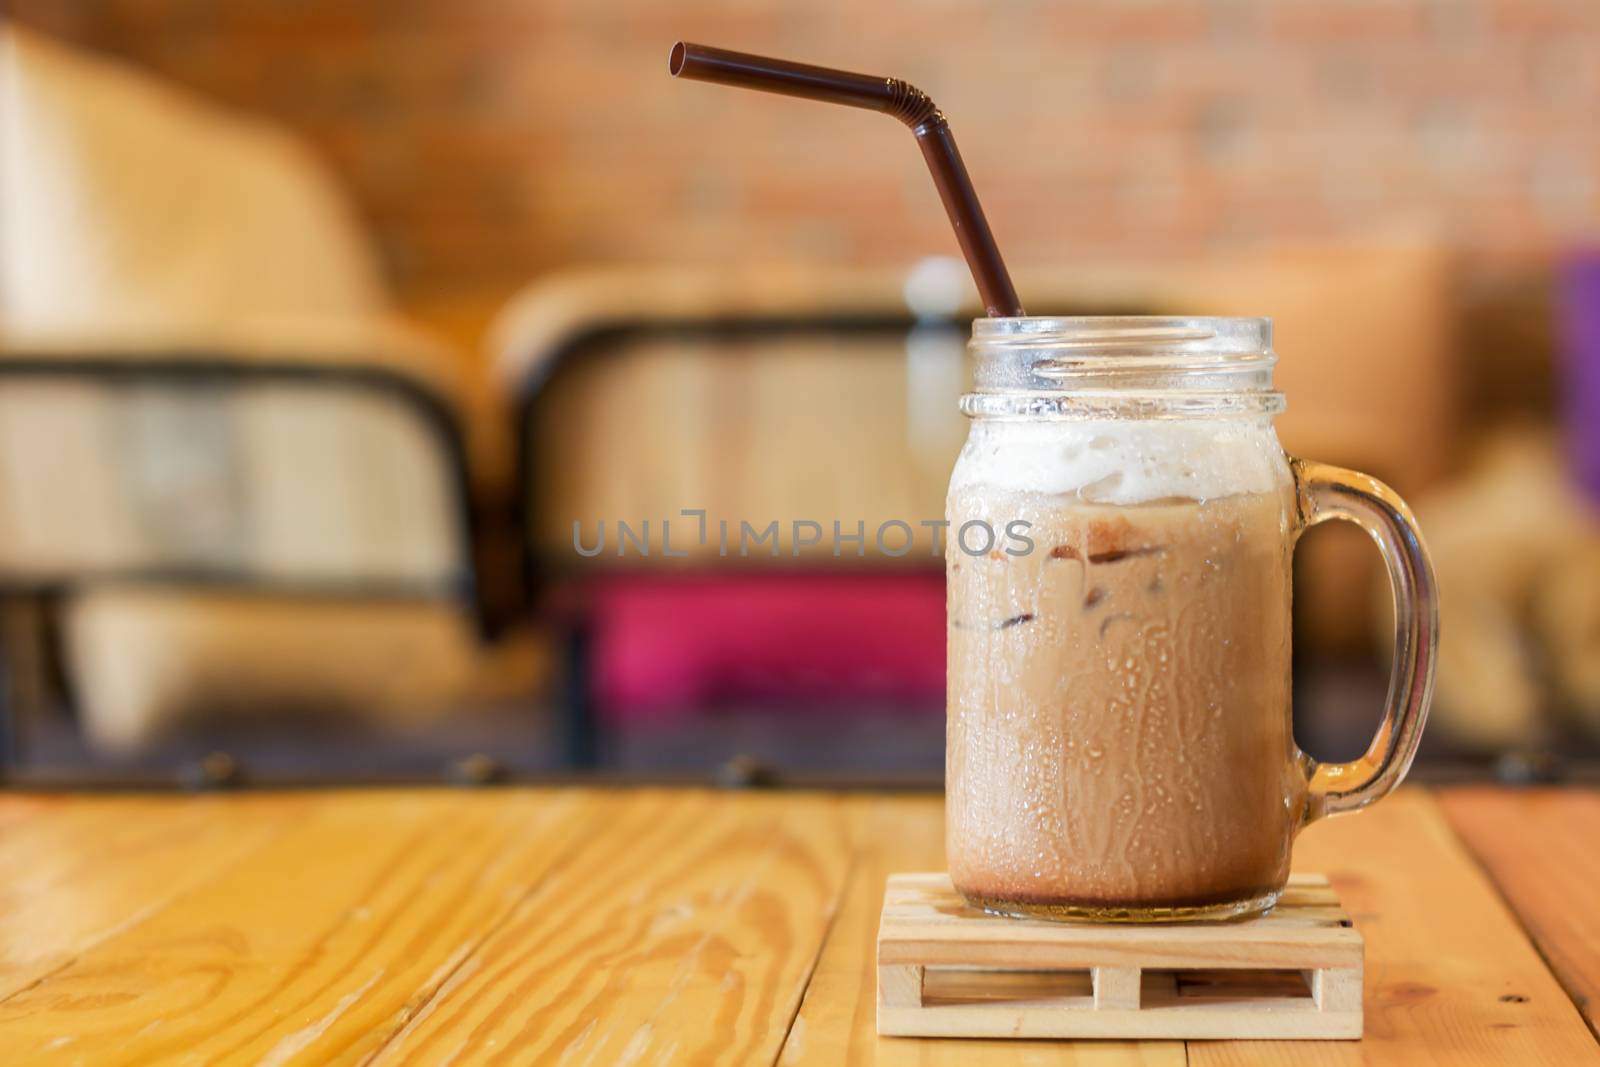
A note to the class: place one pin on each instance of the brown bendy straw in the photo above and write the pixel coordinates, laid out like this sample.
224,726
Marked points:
892,97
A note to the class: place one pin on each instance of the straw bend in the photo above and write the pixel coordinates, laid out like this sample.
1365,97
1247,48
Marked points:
911,105
891,96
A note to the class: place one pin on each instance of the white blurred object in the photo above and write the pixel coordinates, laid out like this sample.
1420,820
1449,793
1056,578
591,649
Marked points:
129,205
938,287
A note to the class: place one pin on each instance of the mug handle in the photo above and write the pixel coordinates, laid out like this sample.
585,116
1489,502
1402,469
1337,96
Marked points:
1324,492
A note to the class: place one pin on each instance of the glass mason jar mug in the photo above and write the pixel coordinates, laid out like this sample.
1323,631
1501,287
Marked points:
1119,699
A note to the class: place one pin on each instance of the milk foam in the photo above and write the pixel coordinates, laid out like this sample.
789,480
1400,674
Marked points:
1122,462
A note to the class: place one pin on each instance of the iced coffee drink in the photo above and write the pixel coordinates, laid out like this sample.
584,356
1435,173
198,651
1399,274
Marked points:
1099,682
1119,742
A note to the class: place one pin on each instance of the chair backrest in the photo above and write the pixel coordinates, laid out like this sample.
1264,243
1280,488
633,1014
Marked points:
311,476
200,374
752,420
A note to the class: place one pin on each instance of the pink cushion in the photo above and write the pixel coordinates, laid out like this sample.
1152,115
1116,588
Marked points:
673,645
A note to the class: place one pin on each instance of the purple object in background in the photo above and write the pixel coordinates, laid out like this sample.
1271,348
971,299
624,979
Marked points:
1579,309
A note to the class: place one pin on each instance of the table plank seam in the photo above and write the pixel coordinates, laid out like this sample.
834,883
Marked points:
45,977
1510,908
828,928
752,882
701,957
411,1016
1576,996
150,911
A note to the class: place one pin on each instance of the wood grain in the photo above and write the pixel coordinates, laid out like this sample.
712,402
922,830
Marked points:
1542,848
1450,977
836,1025
314,947
687,936
652,926
79,870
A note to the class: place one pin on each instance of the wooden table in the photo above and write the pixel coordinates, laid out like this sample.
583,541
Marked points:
574,926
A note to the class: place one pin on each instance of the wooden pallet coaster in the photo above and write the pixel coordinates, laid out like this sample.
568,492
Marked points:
946,969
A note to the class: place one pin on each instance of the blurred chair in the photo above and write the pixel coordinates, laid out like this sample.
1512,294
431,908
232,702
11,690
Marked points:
240,478
759,396
767,393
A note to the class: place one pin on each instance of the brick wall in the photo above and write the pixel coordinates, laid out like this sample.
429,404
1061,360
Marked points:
486,140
